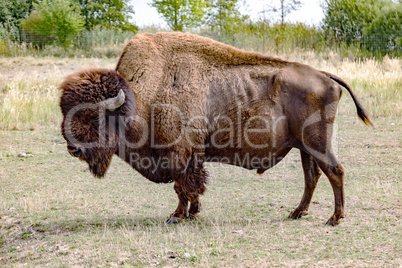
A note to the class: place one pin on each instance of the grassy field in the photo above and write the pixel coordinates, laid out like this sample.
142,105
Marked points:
54,213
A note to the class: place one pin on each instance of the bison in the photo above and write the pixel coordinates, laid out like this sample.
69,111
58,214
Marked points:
178,100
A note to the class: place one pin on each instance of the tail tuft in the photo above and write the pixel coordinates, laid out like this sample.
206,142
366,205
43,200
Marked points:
360,110
363,116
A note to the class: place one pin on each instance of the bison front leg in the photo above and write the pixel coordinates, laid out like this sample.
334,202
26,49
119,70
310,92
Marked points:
195,209
189,187
312,173
182,208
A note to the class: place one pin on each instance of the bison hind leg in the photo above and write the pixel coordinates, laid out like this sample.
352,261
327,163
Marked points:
312,173
312,166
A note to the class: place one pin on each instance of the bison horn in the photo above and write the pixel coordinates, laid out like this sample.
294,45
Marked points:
113,103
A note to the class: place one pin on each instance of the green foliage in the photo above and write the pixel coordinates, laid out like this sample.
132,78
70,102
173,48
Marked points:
182,14
57,19
3,47
374,23
348,19
107,14
384,33
285,38
12,12
353,29
225,16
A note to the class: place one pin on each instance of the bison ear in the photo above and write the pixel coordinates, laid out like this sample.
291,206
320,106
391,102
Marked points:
113,103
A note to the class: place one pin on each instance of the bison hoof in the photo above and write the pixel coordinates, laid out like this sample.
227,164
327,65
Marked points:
296,214
191,217
331,222
173,220
334,220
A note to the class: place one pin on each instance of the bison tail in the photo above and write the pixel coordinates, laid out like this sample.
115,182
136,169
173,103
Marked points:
361,112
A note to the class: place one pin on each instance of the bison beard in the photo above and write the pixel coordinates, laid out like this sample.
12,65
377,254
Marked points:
179,85
98,159
99,167
98,170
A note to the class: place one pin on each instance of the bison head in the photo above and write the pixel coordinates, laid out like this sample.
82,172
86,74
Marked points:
94,104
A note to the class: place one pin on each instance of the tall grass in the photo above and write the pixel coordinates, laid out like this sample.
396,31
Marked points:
101,50
31,103
100,44
29,93
261,36
379,83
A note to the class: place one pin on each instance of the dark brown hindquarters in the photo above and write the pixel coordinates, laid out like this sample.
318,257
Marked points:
360,110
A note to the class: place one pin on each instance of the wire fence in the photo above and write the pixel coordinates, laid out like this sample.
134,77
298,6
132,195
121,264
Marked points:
273,40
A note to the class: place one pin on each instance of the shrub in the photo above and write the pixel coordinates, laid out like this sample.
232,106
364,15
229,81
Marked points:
384,34
57,19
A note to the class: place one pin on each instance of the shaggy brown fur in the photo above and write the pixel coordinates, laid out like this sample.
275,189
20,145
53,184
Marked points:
90,87
190,99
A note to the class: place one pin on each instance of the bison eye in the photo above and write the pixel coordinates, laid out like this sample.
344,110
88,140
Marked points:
95,121
77,152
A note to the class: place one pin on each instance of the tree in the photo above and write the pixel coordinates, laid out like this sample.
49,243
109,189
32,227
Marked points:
225,15
383,35
284,8
107,14
12,12
57,19
348,19
181,14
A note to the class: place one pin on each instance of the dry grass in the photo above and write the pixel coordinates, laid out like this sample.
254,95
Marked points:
54,213
29,94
